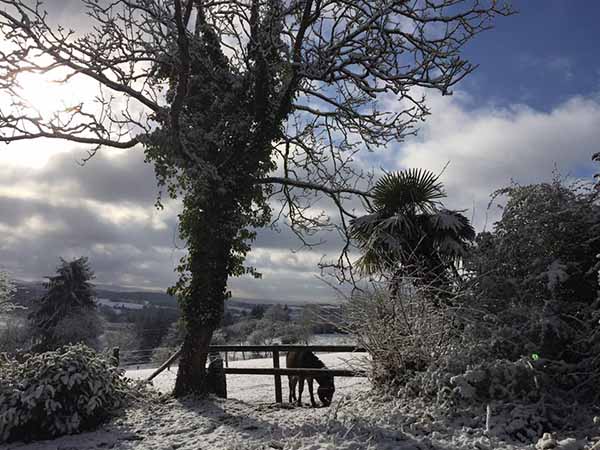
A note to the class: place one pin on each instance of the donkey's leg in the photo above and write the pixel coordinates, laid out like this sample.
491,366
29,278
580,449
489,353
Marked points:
300,389
310,390
292,384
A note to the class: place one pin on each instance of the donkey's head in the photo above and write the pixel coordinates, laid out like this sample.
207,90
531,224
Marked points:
326,389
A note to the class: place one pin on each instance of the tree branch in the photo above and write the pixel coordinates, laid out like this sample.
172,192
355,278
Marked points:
67,137
312,186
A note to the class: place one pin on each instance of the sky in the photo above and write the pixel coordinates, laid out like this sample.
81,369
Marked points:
533,105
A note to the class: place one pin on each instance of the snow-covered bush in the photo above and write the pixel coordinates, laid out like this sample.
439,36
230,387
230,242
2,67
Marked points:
14,333
539,267
58,392
82,327
529,345
7,289
535,282
404,333
498,380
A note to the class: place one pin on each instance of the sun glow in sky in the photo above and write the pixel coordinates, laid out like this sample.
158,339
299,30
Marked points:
46,95
43,95
31,154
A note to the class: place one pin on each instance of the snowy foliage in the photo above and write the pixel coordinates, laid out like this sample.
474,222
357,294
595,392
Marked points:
544,246
537,272
15,334
60,392
530,342
7,289
556,273
404,333
498,380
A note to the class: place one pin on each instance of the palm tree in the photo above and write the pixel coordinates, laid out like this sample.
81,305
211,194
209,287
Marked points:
69,292
408,232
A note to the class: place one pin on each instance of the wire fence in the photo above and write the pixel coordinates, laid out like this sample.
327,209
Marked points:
144,356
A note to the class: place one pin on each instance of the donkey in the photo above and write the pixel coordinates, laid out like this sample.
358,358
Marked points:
306,359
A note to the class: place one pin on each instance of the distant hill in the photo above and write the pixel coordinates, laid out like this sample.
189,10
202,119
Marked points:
140,297
126,300
27,291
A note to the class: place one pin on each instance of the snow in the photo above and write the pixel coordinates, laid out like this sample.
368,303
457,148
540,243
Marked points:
260,388
250,420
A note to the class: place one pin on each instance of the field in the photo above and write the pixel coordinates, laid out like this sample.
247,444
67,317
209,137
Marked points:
250,419
259,388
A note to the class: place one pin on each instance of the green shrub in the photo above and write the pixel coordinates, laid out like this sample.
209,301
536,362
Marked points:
59,392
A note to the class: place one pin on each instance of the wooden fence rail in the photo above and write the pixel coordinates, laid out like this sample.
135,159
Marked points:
276,371
286,348
304,372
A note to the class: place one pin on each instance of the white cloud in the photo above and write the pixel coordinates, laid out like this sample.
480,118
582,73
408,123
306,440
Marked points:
488,146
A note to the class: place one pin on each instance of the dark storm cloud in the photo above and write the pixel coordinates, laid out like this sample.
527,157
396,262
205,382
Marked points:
292,286
117,250
285,238
123,266
77,224
105,211
125,178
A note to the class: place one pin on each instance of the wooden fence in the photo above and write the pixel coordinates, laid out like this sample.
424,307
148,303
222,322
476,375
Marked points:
276,371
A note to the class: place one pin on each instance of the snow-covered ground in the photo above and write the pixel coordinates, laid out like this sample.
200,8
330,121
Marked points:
260,388
250,419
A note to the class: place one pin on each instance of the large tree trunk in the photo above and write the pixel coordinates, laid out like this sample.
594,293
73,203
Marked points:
210,237
191,375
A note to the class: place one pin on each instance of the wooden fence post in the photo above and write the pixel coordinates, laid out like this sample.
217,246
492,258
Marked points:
278,396
167,363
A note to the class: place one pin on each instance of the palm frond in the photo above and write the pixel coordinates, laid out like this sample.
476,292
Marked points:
410,189
454,222
362,227
451,231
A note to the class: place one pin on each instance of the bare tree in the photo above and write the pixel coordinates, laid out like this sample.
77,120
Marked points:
237,101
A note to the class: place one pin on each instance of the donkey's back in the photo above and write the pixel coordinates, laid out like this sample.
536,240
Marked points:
303,359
